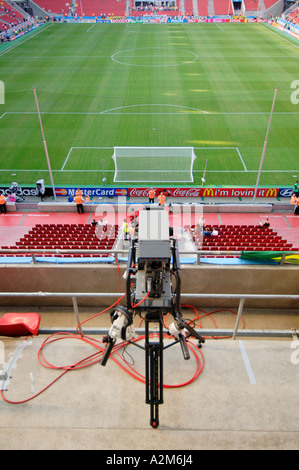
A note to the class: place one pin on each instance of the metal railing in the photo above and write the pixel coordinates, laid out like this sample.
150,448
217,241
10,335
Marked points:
204,332
117,253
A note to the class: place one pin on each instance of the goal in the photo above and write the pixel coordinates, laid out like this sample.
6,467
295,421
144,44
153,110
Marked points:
153,164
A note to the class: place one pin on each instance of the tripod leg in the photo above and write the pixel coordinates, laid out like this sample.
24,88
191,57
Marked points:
154,374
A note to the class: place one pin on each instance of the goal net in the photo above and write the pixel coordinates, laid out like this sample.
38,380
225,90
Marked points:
153,164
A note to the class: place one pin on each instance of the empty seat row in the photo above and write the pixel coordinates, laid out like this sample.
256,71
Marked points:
67,237
239,238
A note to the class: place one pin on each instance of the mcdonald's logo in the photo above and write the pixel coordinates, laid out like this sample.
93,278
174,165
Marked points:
272,192
208,192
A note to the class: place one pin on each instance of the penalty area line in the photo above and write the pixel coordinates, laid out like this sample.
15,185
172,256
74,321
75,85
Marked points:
81,148
226,148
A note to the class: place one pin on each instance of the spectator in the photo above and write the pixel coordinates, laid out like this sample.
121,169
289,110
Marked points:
296,188
125,229
102,224
265,223
79,203
3,209
215,232
293,199
12,198
161,199
206,233
200,226
40,186
151,196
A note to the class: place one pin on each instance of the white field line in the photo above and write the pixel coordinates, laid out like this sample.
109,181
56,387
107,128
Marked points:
195,112
265,28
9,49
245,57
84,148
112,171
197,148
225,148
90,27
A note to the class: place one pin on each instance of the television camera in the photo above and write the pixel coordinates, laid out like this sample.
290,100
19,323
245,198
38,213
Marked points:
153,288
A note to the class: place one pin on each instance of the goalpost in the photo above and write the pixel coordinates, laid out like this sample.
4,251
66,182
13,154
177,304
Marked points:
153,164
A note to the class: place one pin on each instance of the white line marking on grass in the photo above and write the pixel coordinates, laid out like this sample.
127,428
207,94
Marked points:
9,49
72,57
195,112
169,105
152,56
90,27
225,148
218,26
2,115
241,158
247,363
279,35
65,161
61,57
84,148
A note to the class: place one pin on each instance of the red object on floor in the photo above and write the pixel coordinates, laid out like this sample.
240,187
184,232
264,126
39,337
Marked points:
19,324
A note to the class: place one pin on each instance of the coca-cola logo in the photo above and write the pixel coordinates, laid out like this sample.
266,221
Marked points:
139,192
174,192
187,192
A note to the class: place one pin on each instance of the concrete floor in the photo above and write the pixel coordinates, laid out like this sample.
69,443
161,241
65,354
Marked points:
245,398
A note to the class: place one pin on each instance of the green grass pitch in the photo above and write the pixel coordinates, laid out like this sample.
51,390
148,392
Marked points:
205,86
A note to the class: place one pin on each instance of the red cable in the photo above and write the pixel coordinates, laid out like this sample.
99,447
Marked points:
136,305
95,358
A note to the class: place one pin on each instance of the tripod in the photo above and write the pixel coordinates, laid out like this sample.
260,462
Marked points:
154,369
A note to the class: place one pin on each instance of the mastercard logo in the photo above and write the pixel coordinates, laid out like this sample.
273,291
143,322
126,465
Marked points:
121,192
61,192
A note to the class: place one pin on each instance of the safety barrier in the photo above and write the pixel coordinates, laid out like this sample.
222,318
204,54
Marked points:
204,332
186,257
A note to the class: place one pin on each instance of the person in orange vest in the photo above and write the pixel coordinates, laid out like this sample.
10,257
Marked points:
2,204
79,201
296,211
293,199
79,192
161,199
151,196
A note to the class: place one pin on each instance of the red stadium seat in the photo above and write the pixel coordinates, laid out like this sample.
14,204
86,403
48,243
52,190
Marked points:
19,324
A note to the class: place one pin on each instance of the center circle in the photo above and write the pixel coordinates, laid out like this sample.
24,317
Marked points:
154,57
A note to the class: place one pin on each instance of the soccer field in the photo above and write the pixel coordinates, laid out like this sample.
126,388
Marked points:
208,86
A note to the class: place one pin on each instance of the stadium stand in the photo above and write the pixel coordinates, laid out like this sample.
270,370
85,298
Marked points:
54,6
8,16
252,5
294,16
189,7
223,7
152,10
105,7
232,238
68,237
202,6
269,3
